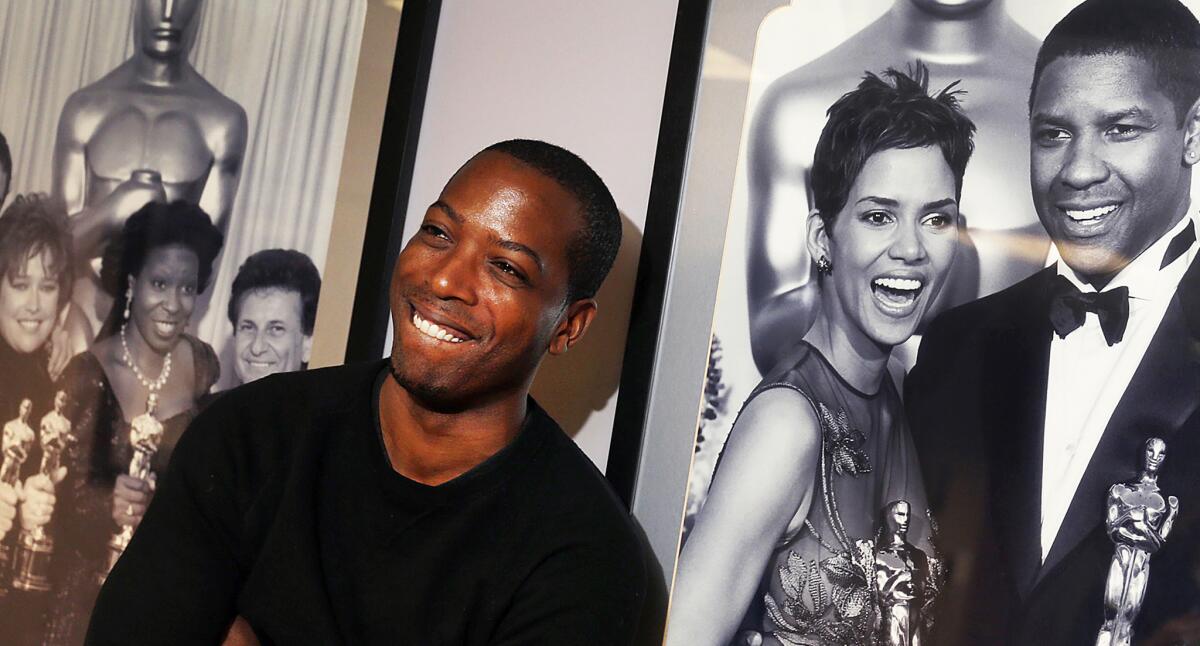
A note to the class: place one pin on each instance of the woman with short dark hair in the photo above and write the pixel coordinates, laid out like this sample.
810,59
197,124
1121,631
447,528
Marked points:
782,552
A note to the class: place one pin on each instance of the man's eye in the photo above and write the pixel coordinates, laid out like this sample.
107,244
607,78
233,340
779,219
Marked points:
433,230
1124,131
509,269
1051,135
276,330
245,326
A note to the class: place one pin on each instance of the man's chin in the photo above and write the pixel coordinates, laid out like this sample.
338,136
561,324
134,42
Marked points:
434,396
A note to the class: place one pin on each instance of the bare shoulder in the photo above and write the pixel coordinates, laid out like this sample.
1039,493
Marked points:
777,422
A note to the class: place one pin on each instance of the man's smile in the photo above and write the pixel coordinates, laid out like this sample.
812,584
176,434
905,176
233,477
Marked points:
431,329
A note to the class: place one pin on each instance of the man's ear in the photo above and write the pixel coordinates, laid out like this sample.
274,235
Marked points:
306,348
574,325
1191,138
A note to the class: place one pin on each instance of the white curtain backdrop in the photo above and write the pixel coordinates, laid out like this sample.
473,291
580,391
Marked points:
289,63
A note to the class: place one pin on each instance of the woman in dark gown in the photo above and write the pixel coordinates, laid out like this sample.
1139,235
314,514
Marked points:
143,369
781,553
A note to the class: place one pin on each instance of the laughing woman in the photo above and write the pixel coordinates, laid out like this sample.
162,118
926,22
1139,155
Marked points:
820,447
143,372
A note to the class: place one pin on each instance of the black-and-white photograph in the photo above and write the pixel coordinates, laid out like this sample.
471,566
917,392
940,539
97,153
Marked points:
954,341
168,173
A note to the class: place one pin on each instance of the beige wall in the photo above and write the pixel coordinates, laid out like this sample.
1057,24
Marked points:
340,273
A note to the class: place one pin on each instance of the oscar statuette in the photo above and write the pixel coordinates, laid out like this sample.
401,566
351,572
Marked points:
145,433
17,439
35,547
1138,520
905,580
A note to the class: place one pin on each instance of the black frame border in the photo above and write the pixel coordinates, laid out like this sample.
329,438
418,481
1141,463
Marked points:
393,178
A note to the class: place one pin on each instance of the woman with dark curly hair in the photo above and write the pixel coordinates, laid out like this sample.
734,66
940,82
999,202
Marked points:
783,551
131,396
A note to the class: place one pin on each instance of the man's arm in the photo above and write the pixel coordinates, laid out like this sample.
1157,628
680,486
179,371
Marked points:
177,581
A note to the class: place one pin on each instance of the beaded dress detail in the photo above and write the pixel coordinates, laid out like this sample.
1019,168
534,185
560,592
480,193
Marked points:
818,588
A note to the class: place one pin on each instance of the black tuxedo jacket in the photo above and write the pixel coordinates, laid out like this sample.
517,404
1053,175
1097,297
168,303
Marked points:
976,403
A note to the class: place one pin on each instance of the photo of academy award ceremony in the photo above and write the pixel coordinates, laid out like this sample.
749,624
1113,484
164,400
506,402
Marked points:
634,322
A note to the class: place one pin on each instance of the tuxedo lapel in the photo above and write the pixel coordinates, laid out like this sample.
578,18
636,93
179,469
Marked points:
1163,393
1015,417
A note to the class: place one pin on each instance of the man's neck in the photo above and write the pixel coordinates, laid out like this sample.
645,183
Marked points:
434,447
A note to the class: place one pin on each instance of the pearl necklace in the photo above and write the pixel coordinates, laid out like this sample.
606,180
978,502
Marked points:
152,386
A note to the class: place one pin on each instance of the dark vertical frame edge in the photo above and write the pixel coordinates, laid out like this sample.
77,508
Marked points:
662,218
393,177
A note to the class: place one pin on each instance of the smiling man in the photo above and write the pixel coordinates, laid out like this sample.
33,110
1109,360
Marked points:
273,308
1028,405
425,499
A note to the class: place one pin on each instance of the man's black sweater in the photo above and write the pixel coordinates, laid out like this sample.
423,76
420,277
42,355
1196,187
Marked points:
280,505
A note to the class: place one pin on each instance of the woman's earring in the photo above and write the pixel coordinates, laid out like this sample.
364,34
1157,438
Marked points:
824,266
1191,156
128,300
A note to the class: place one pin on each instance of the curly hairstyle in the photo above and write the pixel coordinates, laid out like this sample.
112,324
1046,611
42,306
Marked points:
34,224
592,252
150,227
285,269
878,116
1164,33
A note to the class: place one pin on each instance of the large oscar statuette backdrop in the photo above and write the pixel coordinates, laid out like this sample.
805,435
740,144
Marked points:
35,548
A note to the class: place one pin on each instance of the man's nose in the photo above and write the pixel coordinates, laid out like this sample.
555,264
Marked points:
454,278
1083,167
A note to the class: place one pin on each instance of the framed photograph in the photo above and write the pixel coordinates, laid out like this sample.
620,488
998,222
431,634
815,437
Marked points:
171,177
729,287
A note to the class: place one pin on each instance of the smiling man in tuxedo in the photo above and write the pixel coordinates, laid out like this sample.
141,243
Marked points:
423,499
1028,405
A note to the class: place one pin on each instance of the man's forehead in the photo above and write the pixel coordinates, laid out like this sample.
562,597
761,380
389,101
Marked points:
1108,82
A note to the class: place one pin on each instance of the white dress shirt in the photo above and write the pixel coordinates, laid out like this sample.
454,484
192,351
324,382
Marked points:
1087,377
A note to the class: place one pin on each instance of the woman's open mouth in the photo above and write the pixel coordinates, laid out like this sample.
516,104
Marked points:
897,295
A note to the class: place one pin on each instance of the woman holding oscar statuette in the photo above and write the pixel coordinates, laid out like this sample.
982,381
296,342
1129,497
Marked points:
820,447
130,397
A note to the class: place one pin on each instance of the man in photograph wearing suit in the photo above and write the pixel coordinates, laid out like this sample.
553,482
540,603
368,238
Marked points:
1026,406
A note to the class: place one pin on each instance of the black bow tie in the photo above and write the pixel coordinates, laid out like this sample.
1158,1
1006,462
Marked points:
1069,308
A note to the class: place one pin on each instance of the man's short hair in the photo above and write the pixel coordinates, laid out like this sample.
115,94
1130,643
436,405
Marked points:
32,224
1164,33
592,252
285,269
878,116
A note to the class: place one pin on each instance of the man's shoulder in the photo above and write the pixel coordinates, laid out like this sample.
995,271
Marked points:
569,484
1000,310
269,415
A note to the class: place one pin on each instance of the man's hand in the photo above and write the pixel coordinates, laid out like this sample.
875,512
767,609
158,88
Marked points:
8,508
130,498
240,634
37,499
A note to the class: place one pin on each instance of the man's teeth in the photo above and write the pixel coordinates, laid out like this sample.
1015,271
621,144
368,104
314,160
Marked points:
899,284
433,330
1090,214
